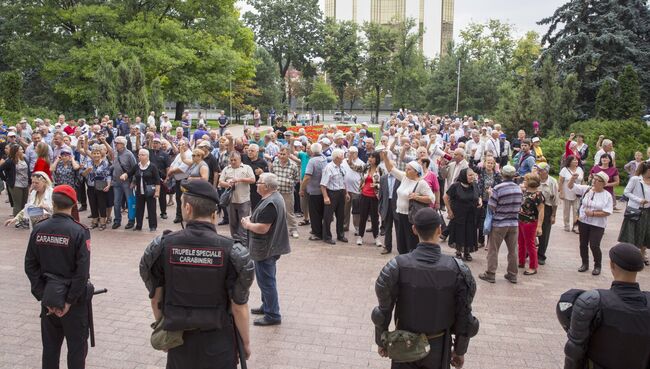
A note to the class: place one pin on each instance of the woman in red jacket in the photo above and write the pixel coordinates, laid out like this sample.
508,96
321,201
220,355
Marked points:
43,159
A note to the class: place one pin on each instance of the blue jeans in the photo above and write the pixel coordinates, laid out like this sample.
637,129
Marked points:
119,190
265,276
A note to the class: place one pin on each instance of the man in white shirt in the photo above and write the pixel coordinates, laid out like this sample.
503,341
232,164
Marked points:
475,148
151,119
607,147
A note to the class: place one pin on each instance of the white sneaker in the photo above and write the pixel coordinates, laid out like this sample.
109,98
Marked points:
378,242
294,234
359,241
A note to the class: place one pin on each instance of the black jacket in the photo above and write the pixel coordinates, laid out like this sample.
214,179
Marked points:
59,246
8,172
149,176
465,325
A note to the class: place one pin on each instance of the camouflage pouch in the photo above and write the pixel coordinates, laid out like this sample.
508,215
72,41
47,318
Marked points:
164,340
405,346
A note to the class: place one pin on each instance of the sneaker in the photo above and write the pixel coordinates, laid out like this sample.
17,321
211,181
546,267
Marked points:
487,277
359,241
378,242
510,278
294,234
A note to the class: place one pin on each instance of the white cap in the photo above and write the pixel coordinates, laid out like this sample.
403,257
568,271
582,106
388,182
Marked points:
297,143
535,139
326,141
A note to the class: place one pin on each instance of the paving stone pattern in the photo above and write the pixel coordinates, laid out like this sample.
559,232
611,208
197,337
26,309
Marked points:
326,296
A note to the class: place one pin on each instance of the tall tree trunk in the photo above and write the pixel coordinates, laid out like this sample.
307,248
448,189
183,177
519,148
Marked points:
342,101
180,107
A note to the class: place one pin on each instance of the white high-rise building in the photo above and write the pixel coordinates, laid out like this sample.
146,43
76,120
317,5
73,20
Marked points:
434,18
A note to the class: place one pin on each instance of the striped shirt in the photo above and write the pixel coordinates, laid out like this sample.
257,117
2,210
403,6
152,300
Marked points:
505,203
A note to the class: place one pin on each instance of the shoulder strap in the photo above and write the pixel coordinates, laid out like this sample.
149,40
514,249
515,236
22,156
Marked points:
416,186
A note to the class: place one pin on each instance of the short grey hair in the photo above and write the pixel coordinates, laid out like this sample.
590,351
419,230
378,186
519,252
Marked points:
316,148
143,151
607,142
120,140
338,153
254,147
270,180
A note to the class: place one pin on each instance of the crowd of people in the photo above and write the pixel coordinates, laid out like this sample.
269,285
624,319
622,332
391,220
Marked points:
492,187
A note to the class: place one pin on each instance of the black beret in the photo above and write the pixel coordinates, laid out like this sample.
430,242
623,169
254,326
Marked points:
427,218
627,256
200,188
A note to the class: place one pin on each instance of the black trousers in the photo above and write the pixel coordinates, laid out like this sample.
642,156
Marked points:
406,239
74,328
590,237
336,207
205,350
388,223
546,233
179,213
368,206
482,212
150,202
81,192
296,198
97,200
162,199
316,212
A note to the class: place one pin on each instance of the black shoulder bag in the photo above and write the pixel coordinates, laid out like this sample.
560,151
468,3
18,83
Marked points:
633,214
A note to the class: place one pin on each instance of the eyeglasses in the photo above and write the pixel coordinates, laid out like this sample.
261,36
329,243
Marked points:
193,155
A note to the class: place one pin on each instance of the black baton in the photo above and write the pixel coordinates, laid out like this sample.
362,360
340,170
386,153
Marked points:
240,346
91,324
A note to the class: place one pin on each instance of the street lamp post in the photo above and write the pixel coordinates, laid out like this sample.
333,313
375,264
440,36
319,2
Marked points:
230,94
458,87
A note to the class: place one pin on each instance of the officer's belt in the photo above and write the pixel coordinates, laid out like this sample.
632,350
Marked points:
434,336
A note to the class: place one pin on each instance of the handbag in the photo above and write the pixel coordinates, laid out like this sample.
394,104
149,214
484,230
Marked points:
149,190
224,199
404,346
633,214
415,206
487,224
164,340
100,184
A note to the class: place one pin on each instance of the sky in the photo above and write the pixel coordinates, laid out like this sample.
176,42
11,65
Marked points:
522,14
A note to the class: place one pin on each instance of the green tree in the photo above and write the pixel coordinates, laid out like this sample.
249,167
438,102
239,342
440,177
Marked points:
568,96
105,78
593,39
630,106
607,101
156,97
291,31
124,81
138,89
195,47
11,88
408,64
341,55
490,39
380,46
550,91
267,83
322,96
526,54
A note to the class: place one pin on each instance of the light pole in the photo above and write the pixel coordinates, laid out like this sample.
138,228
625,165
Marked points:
230,94
458,87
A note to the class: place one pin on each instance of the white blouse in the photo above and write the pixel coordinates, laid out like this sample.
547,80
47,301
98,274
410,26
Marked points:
406,188
594,201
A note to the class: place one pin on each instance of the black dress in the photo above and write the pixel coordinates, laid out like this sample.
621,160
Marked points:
462,228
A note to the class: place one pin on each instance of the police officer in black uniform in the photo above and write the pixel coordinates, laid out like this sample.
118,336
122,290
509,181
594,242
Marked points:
195,278
610,329
57,263
432,294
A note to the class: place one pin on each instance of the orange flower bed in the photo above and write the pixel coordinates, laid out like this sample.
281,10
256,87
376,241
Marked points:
312,132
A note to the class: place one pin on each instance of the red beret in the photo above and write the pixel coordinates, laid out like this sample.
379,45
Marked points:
67,191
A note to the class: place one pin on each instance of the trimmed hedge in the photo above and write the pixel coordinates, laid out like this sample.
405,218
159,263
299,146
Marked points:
628,136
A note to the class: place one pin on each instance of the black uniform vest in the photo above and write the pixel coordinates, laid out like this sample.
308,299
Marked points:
196,267
623,339
426,301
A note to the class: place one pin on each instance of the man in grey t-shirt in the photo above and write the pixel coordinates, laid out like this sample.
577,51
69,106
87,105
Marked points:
311,185
122,164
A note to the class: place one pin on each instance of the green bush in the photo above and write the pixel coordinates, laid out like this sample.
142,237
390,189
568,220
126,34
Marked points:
10,118
628,136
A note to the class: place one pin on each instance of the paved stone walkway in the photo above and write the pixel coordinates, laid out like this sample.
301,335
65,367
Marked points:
326,296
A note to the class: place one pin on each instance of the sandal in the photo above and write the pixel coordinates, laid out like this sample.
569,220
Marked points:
304,223
459,255
527,272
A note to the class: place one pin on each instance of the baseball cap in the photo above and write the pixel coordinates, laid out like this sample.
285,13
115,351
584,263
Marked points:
326,141
11,134
503,135
535,139
297,143
508,171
